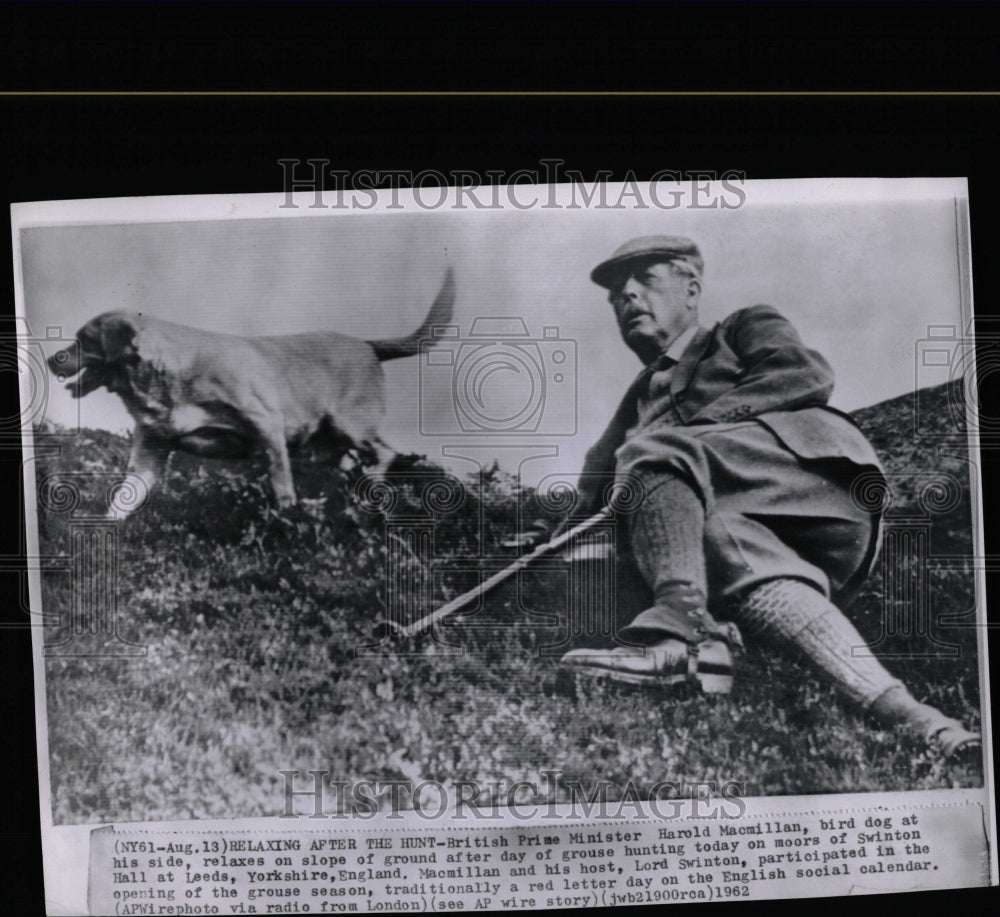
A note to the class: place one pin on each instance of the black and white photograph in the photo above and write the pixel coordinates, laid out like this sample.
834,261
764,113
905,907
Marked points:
546,492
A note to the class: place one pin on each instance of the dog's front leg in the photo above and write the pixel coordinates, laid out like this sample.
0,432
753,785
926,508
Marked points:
145,466
273,439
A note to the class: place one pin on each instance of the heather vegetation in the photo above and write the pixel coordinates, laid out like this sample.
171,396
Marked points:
254,649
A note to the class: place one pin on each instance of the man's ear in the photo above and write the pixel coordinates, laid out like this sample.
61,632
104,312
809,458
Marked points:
117,337
693,292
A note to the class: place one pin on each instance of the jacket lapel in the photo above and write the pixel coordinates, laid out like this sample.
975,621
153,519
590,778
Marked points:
627,414
689,361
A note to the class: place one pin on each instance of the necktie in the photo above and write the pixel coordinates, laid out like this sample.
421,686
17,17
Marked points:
662,362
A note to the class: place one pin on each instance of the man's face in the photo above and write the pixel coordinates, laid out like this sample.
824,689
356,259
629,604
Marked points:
653,306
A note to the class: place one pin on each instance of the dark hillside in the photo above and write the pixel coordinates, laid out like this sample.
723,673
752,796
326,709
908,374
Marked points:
922,442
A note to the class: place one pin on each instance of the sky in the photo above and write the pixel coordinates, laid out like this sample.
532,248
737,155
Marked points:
862,268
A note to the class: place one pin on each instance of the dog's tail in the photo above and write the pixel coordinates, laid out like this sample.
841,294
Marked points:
440,314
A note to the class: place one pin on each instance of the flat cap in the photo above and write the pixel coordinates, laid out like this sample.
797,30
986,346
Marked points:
669,248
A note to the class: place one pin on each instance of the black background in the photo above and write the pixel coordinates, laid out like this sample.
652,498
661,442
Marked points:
70,142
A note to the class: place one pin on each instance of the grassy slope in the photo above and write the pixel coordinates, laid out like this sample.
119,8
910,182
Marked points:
252,621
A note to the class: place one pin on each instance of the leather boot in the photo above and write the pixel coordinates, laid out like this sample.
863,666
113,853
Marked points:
675,640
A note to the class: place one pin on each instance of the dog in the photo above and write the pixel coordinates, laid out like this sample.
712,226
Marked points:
227,396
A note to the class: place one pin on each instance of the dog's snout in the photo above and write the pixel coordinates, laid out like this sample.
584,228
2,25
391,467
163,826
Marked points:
65,362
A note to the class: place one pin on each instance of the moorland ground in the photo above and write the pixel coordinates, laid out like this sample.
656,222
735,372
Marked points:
254,625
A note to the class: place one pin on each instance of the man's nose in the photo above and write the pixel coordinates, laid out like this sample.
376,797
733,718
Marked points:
631,288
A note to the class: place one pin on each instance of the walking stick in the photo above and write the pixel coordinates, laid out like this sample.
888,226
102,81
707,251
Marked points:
392,629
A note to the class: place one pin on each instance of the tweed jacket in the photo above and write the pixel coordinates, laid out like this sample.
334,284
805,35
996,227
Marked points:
750,366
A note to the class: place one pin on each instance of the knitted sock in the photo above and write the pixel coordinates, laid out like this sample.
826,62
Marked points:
666,535
794,615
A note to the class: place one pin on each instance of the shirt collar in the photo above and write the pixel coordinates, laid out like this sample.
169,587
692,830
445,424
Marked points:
676,350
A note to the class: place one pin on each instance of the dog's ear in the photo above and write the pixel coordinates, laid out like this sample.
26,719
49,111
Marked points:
118,339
